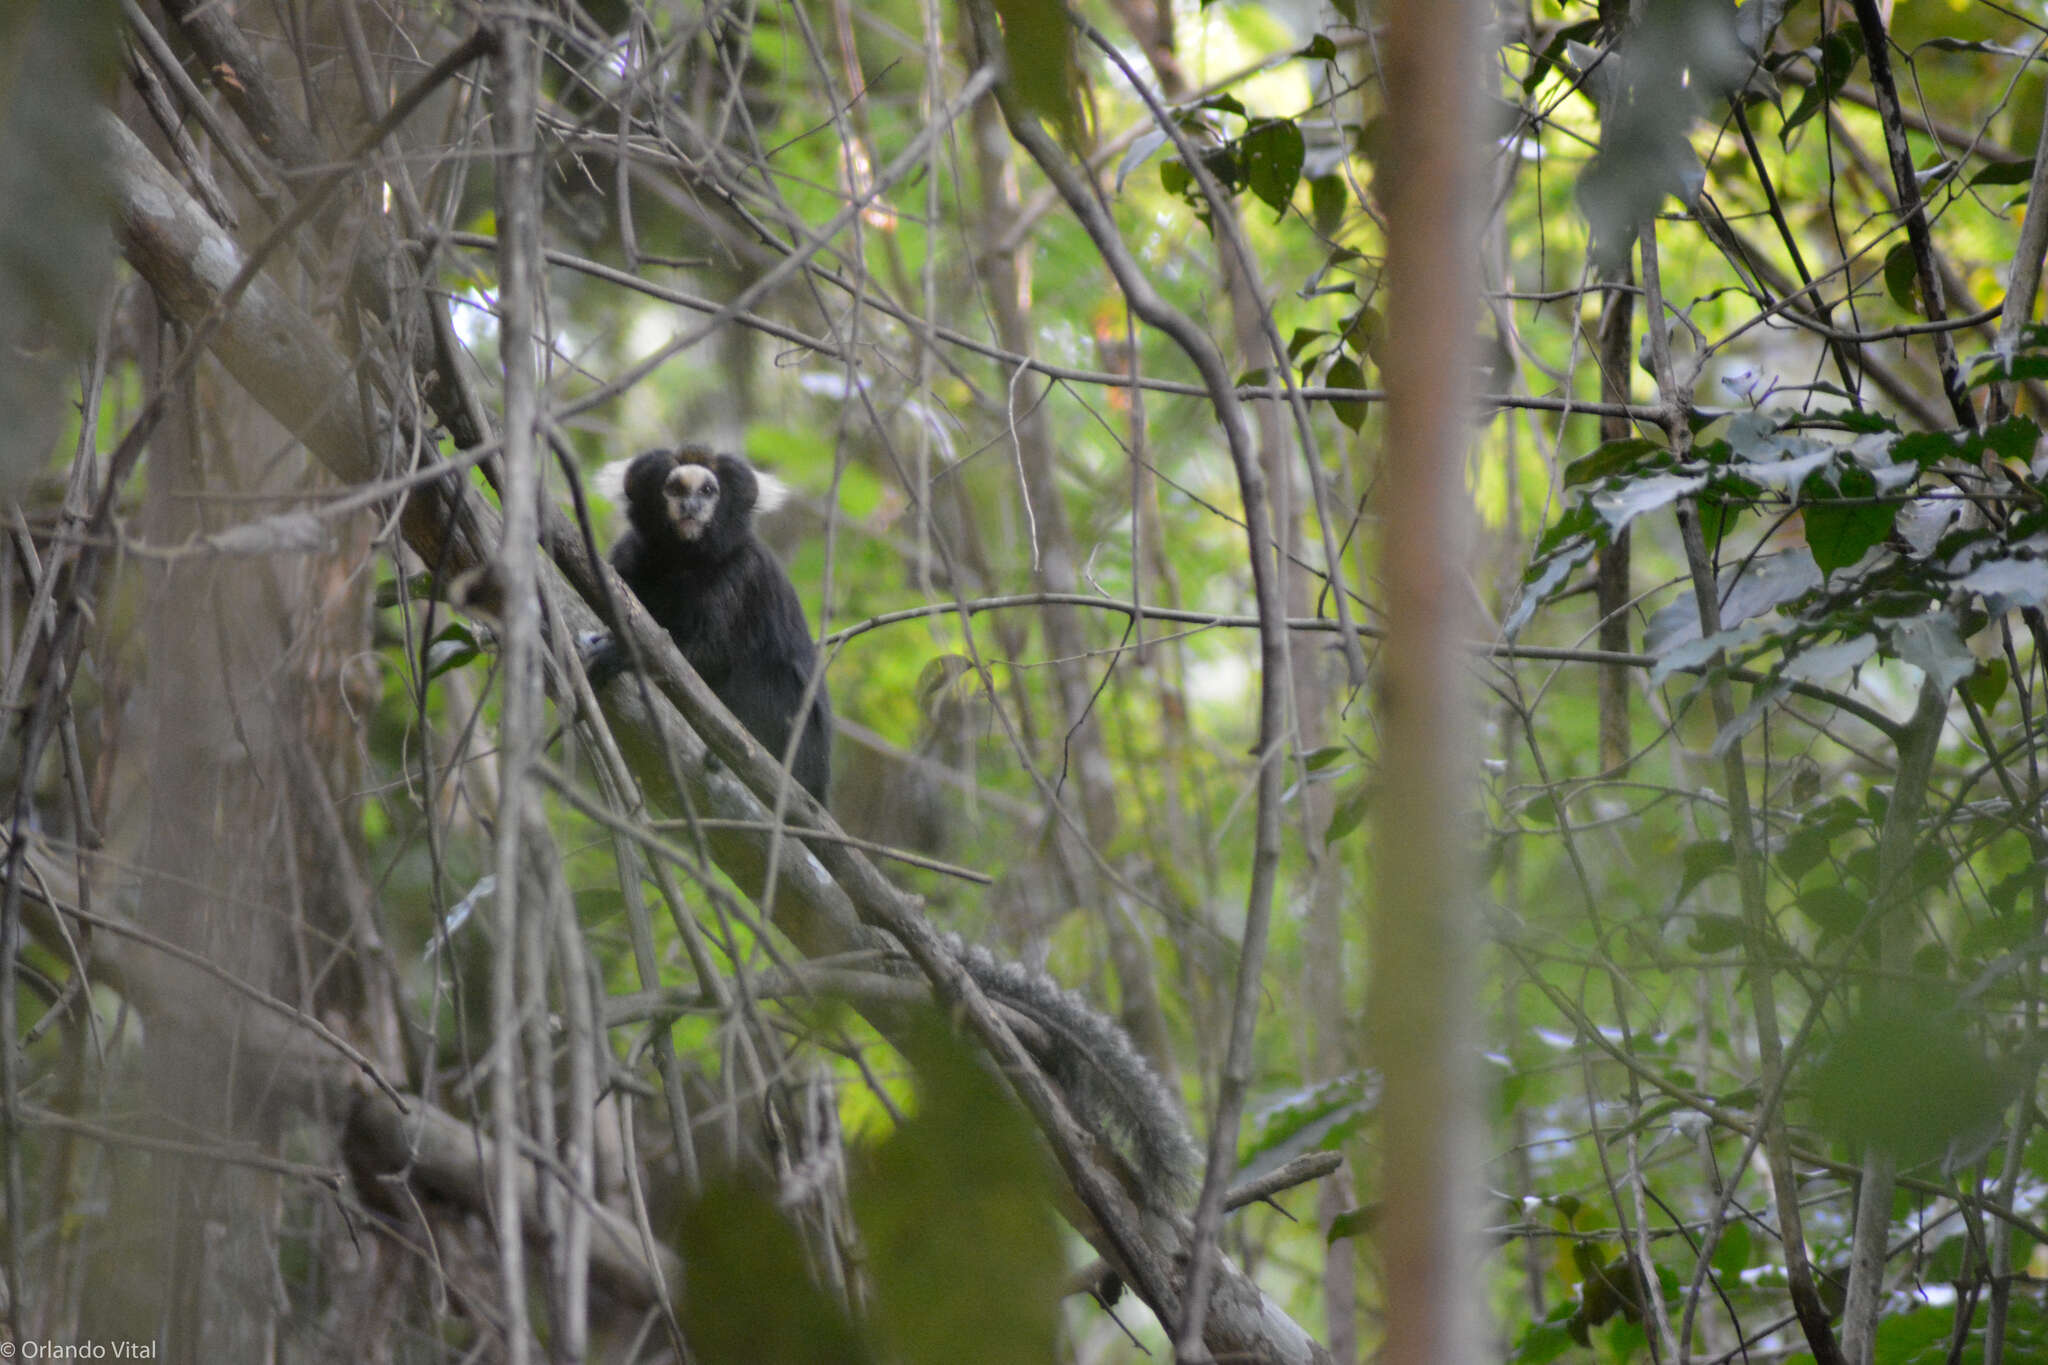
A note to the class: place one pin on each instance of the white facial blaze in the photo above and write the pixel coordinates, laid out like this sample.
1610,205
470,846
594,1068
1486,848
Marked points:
692,492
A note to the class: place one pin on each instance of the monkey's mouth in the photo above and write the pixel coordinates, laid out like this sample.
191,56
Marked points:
692,492
691,513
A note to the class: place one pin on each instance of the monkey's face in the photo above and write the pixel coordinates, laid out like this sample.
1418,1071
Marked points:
689,498
691,492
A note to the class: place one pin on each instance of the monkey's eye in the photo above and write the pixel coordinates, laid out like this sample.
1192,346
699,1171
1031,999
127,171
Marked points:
688,480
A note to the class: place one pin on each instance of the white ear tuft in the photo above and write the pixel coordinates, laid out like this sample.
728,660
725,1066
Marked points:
770,493
609,482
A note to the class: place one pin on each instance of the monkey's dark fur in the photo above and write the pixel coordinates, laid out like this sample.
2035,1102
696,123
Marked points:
1104,1078
693,560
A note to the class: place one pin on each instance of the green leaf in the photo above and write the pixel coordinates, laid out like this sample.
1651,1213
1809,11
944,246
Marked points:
1715,933
1731,1256
1622,505
1364,331
1542,1342
1612,458
1273,153
1902,277
1835,910
1933,643
1319,49
2013,439
1579,523
1345,373
1320,1115
1545,577
1987,684
1303,336
1352,1222
1808,844
2011,580
1818,663
1923,448
1701,861
1841,533
2004,173
1722,504
453,647
1551,58
1348,811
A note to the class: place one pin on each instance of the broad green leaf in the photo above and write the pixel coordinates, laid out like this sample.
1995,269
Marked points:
1319,49
1715,933
1840,532
1835,910
1701,861
1731,1255
1697,653
1273,153
2013,439
1987,684
2004,173
1612,458
1345,373
1352,1222
1348,811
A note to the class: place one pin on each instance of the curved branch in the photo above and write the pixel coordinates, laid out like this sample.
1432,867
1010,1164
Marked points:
1153,309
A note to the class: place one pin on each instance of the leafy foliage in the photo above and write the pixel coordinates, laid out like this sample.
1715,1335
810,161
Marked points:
1762,901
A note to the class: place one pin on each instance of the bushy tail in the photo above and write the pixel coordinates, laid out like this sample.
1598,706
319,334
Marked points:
1107,1083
